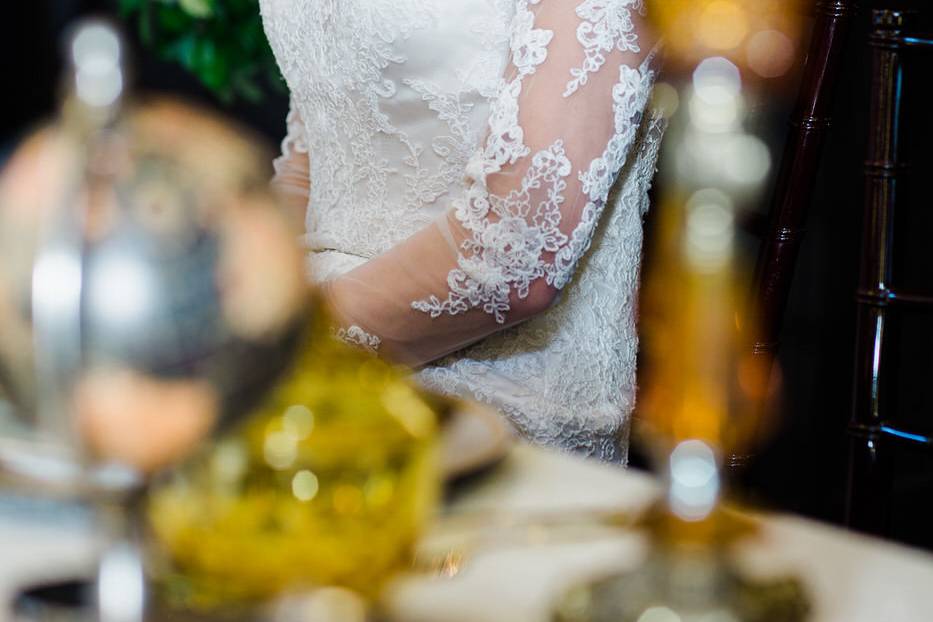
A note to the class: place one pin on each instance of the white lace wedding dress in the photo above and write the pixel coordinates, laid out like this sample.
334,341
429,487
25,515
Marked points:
474,175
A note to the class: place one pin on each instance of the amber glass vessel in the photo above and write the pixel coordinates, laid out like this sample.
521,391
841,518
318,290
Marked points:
329,482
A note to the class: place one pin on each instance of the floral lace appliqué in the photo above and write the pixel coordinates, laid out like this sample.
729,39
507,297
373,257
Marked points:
356,336
605,25
630,96
510,235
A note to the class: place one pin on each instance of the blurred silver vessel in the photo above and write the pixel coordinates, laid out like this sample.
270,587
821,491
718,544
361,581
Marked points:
150,291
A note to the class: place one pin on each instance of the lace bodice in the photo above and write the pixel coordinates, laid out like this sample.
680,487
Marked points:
474,174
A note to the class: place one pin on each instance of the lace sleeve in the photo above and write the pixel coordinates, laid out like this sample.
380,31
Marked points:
292,168
559,131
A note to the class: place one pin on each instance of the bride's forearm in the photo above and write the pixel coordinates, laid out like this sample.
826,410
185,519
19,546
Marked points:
377,298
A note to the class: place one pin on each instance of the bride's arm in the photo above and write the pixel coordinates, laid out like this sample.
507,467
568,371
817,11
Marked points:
558,134
292,168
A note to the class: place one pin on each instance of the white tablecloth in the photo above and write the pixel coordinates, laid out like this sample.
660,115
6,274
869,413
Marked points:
512,574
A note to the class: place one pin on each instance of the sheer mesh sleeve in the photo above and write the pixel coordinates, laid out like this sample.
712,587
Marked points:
292,168
559,131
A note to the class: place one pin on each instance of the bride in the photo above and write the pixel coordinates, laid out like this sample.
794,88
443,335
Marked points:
474,175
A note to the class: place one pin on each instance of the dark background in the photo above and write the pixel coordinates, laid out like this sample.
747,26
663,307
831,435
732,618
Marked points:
802,467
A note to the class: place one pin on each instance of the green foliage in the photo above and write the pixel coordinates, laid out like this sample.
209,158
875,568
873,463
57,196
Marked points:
220,41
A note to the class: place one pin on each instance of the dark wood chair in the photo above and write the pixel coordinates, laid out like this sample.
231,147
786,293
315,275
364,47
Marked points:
873,430
809,126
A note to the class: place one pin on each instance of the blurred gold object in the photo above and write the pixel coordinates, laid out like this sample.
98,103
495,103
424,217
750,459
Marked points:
682,588
701,404
328,483
688,576
703,382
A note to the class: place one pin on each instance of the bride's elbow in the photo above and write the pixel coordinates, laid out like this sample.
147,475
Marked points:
540,298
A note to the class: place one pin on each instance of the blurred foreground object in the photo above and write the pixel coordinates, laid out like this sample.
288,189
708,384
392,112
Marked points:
143,266
150,290
328,484
702,385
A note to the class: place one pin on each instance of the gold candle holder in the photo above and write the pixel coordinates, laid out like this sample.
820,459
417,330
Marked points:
702,386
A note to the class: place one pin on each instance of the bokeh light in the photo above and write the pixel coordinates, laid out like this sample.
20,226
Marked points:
305,485
757,33
770,53
98,74
709,233
694,480
717,81
723,25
